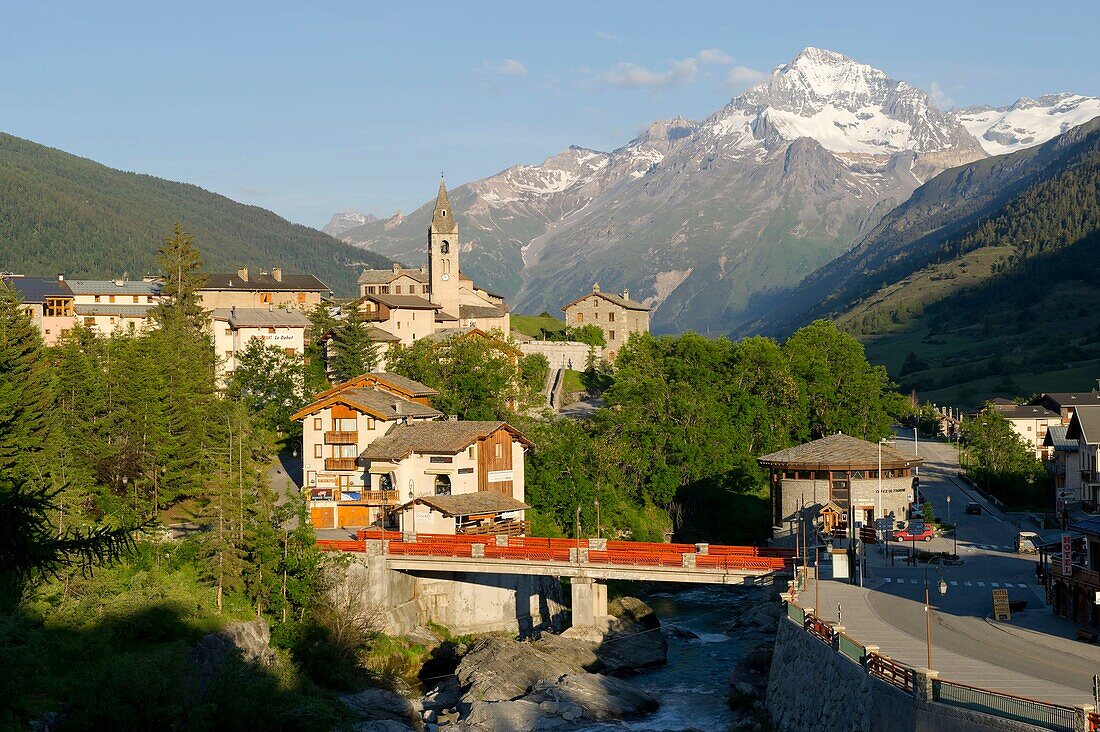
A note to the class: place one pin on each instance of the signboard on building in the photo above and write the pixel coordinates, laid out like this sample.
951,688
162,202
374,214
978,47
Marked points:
500,476
320,494
1001,609
1067,555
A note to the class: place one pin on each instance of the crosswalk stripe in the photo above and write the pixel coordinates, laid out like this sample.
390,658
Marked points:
969,584
954,583
1021,584
981,584
994,584
912,582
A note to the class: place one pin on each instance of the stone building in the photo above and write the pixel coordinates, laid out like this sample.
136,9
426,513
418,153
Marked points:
110,306
234,328
245,289
844,471
457,301
616,315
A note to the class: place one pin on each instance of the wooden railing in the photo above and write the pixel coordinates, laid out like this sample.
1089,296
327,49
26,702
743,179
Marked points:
1078,573
341,438
818,628
508,527
373,498
340,464
890,671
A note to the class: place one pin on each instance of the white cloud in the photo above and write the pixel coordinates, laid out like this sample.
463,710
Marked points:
939,96
715,56
740,77
633,76
605,36
508,67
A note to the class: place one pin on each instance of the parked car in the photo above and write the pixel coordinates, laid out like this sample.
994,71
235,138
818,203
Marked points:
915,532
974,508
1027,542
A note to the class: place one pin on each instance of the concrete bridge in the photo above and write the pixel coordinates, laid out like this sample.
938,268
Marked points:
587,562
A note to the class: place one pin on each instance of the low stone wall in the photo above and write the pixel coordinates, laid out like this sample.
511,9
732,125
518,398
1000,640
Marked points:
463,602
560,354
813,687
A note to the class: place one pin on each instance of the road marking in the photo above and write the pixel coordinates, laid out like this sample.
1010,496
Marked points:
954,583
1021,584
968,584
981,584
912,582
994,584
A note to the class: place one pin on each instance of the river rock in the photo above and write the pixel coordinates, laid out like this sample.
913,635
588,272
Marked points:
383,706
501,669
633,638
753,669
593,697
518,714
682,633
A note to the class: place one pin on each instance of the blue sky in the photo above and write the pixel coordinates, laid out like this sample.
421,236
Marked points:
309,110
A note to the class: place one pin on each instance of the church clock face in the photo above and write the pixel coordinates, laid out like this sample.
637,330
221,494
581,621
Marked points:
444,277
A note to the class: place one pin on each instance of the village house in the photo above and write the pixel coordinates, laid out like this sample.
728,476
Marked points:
111,306
457,301
405,317
617,316
234,328
1030,422
836,477
1064,465
1084,429
374,445
245,289
1075,583
48,301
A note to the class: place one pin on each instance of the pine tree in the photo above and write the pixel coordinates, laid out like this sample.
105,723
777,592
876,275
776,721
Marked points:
352,352
182,270
26,394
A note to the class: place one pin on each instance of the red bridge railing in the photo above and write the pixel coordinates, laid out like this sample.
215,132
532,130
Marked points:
544,549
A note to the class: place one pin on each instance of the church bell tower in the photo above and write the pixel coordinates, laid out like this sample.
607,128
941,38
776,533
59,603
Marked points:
443,254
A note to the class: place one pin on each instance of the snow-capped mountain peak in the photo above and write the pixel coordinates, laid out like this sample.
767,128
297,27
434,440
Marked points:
346,221
1027,122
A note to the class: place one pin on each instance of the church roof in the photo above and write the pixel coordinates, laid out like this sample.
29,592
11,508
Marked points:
386,276
443,220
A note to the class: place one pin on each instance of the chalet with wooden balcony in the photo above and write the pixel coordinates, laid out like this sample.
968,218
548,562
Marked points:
407,317
337,426
48,301
432,464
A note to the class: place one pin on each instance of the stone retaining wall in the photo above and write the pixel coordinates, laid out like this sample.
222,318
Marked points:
812,687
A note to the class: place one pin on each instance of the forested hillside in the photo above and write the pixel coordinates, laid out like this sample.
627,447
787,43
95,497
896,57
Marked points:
62,213
962,227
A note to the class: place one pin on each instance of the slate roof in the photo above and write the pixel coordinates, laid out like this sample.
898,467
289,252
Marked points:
444,317
411,386
448,436
1025,411
262,317
386,276
112,287
397,302
611,298
35,290
1085,424
258,282
379,335
376,402
840,451
1088,526
1062,399
478,311
471,504
119,309
1056,438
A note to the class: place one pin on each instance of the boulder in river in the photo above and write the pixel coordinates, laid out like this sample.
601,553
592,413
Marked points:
385,709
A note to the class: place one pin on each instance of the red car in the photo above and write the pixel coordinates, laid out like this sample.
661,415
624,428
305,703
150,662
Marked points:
915,532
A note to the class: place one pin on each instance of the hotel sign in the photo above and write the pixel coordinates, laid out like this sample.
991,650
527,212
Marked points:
1067,555
1001,609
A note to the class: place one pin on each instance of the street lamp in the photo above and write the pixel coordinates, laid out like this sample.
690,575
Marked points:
948,508
927,603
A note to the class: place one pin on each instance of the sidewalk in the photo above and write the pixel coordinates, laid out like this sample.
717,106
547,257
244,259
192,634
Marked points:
1043,626
862,623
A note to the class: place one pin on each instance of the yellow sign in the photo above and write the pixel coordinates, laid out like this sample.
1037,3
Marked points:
1001,610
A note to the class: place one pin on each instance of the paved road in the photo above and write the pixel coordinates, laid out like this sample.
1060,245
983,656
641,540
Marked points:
966,646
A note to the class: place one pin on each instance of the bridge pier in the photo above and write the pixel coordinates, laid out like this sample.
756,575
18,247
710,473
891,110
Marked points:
589,601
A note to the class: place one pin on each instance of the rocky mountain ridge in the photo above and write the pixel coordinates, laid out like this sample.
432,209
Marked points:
708,222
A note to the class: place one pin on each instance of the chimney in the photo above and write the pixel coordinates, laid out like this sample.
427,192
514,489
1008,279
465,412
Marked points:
423,268
397,407
626,294
60,277
595,287
120,283
243,274
396,267
277,274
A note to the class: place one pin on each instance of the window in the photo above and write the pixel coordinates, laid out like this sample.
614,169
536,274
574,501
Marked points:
149,298
385,289
498,450
397,289
370,290
265,297
89,322
611,335
344,451
110,298
228,354
136,299
424,289
289,351
441,459
317,423
442,485
370,423
595,302
271,330
345,424
580,317
445,247
317,450
301,297
611,317
58,307
471,451
97,298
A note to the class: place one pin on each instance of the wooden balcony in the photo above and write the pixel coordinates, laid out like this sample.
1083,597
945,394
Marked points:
372,498
1078,574
340,464
341,438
